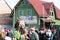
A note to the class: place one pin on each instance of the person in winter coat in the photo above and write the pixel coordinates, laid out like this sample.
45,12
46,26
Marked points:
23,34
17,34
33,35
42,34
1,38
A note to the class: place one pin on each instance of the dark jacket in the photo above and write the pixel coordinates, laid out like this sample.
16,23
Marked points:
2,38
34,36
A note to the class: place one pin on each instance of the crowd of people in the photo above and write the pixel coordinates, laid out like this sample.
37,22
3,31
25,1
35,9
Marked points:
25,33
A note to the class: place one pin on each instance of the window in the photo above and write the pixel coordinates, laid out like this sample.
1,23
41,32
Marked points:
51,14
51,11
29,12
21,13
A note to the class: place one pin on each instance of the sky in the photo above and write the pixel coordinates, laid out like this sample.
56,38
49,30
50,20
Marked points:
56,2
12,3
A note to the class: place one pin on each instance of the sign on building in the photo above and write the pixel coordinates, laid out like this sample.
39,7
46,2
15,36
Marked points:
29,19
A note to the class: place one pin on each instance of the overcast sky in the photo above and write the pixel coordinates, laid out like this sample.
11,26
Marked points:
56,2
12,3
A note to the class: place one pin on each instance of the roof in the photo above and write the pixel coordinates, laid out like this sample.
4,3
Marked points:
57,12
47,6
47,20
4,7
37,5
56,3
13,3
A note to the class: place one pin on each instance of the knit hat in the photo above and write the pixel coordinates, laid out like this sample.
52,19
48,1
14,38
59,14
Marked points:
33,29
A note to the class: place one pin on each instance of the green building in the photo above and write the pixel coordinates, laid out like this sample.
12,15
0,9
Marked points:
24,8
38,9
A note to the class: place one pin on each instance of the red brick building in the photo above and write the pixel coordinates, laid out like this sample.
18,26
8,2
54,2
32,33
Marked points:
5,13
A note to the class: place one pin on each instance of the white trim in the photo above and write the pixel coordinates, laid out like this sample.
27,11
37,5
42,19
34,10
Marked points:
43,17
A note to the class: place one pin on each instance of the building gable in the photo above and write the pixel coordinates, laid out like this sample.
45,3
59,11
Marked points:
25,8
47,6
4,7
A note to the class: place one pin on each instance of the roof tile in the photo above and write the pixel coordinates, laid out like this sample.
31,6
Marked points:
57,12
